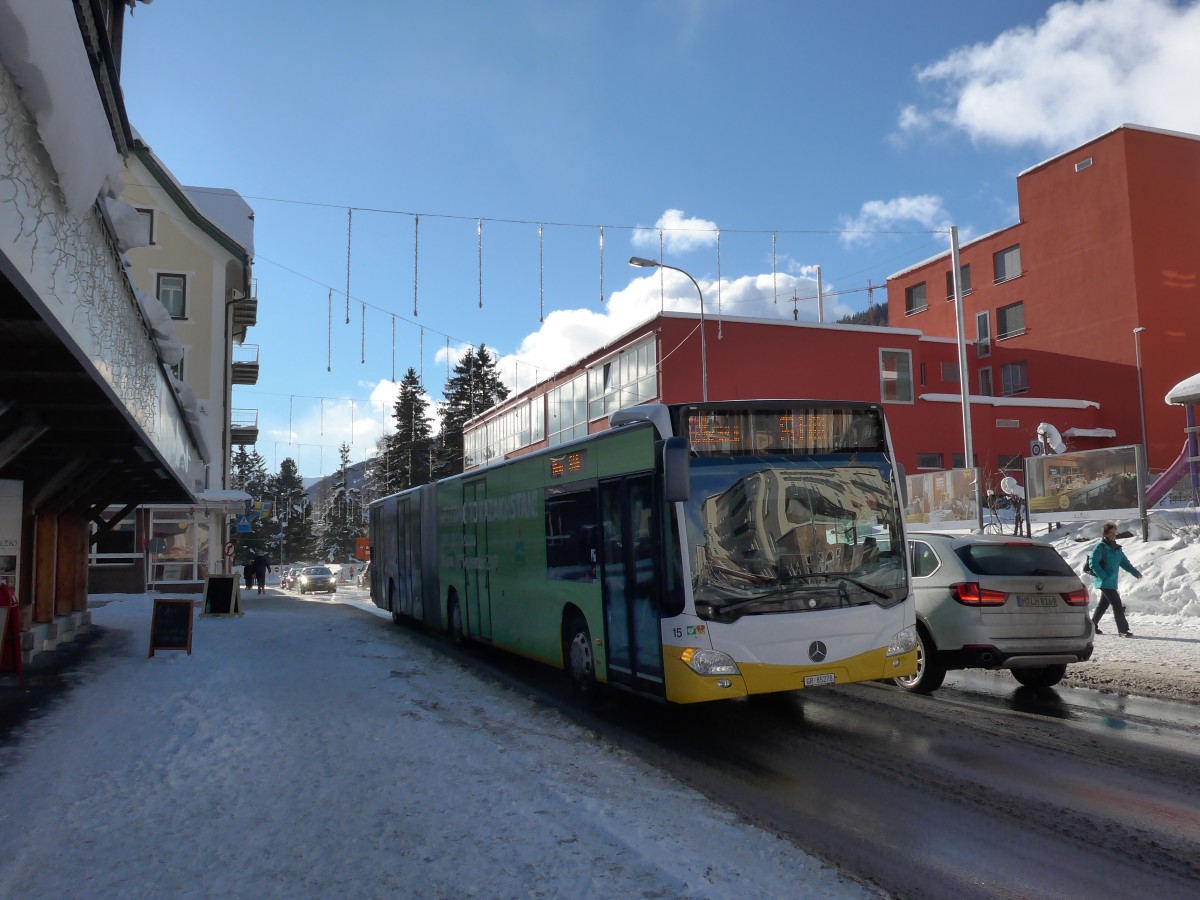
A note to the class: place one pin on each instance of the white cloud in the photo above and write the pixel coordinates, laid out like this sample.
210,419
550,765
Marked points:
1084,69
679,234
924,212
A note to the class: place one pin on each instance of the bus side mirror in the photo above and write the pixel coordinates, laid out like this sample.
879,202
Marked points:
675,464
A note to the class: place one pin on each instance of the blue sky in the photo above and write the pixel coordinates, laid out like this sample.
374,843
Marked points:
762,139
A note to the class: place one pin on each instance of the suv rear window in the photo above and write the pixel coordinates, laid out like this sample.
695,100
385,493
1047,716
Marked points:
1013,559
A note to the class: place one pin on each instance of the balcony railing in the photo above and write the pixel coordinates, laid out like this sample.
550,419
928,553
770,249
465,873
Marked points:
245,364
243,426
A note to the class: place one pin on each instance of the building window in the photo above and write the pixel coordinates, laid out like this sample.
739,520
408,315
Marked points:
985,382
895,376
1083,164
1010,320
1015,379
147,216
914,299
171,293
964,275
627,379
959,461
983,335
566,411
1007,263
930,461
1011,463
950,372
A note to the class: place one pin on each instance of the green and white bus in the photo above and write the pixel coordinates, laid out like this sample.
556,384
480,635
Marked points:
691,552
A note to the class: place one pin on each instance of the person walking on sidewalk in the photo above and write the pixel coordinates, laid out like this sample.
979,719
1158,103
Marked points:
261,564
1107,560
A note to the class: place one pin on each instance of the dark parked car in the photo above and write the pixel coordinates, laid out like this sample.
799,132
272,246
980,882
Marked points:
317,578
995,602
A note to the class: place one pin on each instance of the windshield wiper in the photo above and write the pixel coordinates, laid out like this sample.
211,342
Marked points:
843,576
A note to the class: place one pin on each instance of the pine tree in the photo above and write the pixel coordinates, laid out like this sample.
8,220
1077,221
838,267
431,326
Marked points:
474,387
343,516
293,514
407,456
248,472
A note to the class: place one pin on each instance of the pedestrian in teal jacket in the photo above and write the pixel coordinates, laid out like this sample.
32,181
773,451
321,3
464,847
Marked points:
1107,560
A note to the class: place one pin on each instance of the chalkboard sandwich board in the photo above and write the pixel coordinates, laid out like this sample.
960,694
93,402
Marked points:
171,625
222,596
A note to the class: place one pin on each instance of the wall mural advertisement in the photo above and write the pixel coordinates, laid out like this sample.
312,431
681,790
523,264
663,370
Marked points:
947,499
1083,486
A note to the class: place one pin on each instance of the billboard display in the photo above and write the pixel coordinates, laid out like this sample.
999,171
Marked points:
947,499
1083,486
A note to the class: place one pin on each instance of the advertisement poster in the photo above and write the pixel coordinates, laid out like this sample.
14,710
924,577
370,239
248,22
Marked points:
947,499
1084,486
10,531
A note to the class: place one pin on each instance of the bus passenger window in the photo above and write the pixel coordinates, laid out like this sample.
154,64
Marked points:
572,536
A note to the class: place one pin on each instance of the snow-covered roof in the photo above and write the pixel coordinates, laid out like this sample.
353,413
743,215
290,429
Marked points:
1186,392
1090,433
981,400
227,210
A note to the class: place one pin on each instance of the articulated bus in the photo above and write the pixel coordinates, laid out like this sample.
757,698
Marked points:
691,552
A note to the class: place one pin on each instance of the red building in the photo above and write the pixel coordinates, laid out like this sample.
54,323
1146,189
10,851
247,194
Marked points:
1108,242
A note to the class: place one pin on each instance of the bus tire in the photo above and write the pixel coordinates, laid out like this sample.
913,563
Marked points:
578,656
454,622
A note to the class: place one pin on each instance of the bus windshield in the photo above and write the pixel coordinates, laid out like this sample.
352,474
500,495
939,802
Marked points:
774,534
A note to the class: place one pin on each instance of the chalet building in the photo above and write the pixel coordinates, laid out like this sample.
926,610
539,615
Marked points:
193,263
1099,272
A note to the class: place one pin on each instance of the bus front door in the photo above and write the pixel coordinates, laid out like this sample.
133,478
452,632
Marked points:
628,576
477,614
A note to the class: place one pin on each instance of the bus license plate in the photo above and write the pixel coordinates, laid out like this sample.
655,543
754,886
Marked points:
1037,600
818,680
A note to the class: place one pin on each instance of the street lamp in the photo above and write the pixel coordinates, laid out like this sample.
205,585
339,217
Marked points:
655,264
1137,350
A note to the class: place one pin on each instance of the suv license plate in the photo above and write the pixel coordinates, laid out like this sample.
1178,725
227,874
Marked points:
818,680
1037,600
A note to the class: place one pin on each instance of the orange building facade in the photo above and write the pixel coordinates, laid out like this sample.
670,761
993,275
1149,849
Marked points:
1108,242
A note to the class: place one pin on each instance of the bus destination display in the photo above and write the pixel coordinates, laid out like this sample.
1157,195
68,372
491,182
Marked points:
571,464
799,430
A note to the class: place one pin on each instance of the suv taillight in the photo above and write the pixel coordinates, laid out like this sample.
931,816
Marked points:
1077,598
969,593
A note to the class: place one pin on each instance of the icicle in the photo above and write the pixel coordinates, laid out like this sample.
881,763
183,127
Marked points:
541,279
416,257
479,228
329,336
349,229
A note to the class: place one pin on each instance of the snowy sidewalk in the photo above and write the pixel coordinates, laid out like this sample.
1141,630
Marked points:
311,749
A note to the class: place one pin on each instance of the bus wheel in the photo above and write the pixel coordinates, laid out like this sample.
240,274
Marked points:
456,622
581,665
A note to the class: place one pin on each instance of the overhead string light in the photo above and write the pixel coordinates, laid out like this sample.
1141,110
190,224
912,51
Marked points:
541,277
479,229
719,336
601,265
393,348
349,230
416,257
774,282
662,282
329,336
363,360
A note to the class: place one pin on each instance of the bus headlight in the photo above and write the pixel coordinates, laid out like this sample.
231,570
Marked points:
709,662
903,641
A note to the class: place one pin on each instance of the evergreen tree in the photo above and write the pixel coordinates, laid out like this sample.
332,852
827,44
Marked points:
407,455
474,387
343,515
248,472
293,514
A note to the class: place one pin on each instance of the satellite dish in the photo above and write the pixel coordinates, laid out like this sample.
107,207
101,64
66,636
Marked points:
1009,485
1053,439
